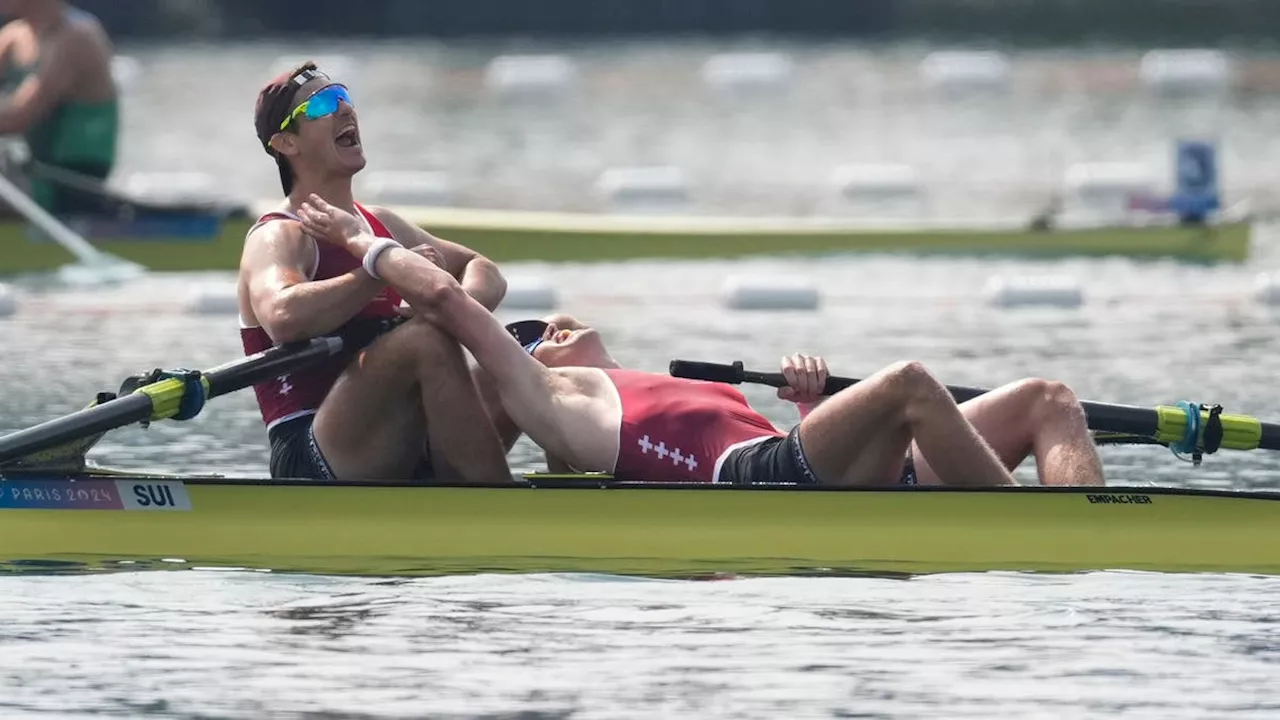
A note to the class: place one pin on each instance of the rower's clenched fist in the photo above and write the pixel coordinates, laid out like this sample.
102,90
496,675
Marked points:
806,377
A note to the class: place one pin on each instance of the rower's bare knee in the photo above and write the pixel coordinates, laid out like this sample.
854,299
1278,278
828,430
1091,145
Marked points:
916,387
1054,398
432,344
422,349
908,373
1038,400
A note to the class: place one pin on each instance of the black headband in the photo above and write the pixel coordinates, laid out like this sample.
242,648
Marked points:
307,76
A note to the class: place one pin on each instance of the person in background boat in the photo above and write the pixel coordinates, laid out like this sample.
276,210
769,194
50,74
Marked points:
59,94
399,403
563,388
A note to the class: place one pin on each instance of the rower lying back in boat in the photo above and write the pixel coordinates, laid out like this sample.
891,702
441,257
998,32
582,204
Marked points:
563,389
665,420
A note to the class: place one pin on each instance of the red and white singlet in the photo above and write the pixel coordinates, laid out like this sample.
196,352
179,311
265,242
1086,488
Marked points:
300,393
679,430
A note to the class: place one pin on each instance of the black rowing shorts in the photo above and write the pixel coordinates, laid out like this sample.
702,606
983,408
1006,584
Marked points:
781,459
295,454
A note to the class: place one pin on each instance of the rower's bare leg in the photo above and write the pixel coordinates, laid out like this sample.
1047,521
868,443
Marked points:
410,386
860,435
1033,416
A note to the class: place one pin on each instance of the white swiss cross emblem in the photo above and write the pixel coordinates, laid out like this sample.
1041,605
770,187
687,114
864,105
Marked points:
677,455
285,387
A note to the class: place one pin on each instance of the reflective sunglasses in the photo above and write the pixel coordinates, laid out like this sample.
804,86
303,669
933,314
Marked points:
322,102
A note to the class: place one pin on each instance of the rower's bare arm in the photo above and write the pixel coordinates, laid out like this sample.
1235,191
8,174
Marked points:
55,77
276,268
8,33
546,405
479,275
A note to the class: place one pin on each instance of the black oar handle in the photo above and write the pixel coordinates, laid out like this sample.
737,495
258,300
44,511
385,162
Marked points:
735,374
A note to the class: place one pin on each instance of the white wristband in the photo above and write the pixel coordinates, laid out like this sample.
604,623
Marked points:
371,255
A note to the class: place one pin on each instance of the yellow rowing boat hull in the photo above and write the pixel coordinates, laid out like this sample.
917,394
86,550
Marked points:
516,236
634,529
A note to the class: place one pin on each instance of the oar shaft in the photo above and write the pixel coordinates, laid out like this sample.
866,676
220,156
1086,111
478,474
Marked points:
161,399
84,423
1240,432
240,374
78,246
1127,419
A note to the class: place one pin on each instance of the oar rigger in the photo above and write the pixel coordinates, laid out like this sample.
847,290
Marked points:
1202,435
189,404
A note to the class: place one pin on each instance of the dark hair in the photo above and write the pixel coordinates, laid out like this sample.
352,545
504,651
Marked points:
273,106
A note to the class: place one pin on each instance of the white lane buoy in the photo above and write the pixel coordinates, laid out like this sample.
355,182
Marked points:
527,292
1061,291
1266,289
530,75
125,70
1189,70
1107,183
641,186
409,187
172,186
213,300
876,181
8,301
769,292
965,70
747,70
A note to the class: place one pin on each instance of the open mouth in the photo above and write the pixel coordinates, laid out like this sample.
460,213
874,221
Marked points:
349,137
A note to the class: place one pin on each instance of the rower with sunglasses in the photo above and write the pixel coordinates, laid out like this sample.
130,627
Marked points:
399,403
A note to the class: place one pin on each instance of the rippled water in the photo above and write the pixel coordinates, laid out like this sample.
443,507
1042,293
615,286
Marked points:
972,646
248,645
